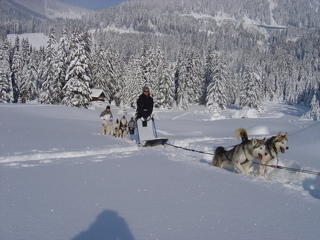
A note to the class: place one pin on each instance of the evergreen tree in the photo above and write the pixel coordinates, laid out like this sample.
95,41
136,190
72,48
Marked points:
189,80
99,69
107,73
181,81
216,76
315,104
114,75
5,73
29,85
76,91
134,82
50,88
161,80
147,65
61,63
16,69
250,95
25,83
195,77
165,93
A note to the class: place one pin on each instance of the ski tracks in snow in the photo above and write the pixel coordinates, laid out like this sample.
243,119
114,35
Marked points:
36,157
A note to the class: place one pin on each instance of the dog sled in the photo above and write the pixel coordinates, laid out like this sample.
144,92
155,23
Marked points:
147,133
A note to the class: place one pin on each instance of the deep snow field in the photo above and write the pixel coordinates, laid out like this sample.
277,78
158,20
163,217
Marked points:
61,180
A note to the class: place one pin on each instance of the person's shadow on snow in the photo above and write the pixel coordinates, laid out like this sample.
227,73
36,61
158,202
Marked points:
312,185
108,226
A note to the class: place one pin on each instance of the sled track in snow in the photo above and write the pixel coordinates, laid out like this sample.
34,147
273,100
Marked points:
30,159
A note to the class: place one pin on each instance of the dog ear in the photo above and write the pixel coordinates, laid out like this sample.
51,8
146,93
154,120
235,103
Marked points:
254,141
286,136
278,135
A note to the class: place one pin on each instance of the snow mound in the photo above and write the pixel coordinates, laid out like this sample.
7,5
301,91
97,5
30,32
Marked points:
246,113
216,116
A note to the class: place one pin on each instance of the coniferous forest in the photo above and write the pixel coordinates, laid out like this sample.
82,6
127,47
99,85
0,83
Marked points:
211,52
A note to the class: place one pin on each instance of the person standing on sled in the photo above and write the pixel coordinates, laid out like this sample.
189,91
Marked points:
144,105
107,118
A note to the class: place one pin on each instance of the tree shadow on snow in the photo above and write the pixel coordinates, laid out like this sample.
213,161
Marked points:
108,226
312,185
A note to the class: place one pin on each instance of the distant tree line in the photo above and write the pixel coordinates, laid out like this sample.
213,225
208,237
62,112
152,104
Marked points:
187,52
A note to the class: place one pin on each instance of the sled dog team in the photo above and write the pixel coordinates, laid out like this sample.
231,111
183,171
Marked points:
117,129
242,155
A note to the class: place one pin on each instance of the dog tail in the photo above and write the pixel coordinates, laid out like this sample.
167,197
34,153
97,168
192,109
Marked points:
241,133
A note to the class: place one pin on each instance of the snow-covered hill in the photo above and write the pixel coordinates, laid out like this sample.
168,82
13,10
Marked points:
61,179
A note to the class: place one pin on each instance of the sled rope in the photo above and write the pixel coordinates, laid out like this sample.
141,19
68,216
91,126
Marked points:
289,169
189,149
272,166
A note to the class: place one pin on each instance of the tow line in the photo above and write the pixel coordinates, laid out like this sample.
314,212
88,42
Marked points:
289,168
271,166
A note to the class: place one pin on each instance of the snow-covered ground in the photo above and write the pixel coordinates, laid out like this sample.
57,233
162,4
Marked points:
61,179
37,40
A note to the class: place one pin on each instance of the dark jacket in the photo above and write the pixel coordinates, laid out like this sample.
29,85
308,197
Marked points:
144,106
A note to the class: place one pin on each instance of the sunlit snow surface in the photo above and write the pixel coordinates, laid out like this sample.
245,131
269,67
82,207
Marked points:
61,179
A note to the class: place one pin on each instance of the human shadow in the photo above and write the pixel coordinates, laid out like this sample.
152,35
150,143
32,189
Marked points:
312,185
108,226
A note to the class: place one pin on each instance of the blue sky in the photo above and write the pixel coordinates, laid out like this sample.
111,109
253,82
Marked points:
94,4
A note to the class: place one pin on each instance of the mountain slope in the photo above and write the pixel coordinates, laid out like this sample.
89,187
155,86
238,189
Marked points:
53,8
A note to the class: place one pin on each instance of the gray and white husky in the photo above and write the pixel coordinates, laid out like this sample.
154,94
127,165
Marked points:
274,145
242,155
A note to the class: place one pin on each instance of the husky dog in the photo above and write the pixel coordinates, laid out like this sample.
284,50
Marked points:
242,155
115,129
274,145
123,127
106,128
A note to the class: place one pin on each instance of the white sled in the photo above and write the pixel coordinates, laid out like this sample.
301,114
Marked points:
147,133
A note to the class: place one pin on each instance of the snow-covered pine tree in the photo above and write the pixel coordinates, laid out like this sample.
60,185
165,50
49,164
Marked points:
134,83
107,72
315,104
5,74
26,86
76,91
61,63
99,69
16,69
165,93
189,80
161,80
29,89
148,64
216,75
50,90
250,96
181,82
195,80
207,74
114,75
155,74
